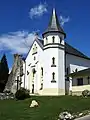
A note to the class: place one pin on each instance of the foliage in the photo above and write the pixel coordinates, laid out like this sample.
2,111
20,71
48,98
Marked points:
4,71
22,94
86,93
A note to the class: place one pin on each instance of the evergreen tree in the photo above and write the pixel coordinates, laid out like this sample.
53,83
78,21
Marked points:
4,71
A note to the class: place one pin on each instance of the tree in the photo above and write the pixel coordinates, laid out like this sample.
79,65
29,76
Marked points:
4,71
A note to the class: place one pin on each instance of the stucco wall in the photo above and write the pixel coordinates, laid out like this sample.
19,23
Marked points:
85,81
76,62
31,63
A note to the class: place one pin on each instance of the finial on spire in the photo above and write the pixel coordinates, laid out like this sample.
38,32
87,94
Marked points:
54,11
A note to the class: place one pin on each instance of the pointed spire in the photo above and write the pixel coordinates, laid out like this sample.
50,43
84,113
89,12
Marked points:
54,25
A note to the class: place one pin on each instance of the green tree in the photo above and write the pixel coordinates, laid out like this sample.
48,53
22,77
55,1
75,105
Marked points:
4,71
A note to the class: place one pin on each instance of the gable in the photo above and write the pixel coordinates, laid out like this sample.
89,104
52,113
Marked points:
34,47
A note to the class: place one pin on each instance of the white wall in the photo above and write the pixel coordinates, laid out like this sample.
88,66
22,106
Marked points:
38,63
56,51
57,38
76,62
48,70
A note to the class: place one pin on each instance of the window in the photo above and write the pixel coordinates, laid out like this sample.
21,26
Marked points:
34,58
41,86
88,78
42,71
60,39
80,81
53,39
53,62
34,49
27,73
32,88
53,77
33,72
46,40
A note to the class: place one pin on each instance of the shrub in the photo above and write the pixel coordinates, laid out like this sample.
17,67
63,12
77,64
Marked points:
22,94
86,93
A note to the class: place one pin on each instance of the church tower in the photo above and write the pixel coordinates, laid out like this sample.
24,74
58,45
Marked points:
54,58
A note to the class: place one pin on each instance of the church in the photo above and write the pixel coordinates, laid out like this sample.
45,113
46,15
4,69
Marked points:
52,66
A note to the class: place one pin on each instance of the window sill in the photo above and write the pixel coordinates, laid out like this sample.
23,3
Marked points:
53,65
53,81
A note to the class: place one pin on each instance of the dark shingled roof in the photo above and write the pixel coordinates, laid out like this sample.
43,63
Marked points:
71,50
54,25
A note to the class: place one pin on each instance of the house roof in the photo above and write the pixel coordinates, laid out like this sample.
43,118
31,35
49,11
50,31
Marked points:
85,72
54,25
71,50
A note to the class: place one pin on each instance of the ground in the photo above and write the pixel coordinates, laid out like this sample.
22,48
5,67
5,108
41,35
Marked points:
49,107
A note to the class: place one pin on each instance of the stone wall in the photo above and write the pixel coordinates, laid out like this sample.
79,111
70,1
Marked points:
15,77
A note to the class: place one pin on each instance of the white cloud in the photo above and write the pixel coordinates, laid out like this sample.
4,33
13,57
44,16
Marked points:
38,10
17,42
64,20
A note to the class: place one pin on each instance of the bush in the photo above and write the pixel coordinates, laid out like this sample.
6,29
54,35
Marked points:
22,94
86,93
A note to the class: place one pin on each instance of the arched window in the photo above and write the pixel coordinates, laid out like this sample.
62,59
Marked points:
42,71
46,40
34,58
53,76
60,39
33,50
53,39
53,61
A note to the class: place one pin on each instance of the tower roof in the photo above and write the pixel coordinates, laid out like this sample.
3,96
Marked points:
54,25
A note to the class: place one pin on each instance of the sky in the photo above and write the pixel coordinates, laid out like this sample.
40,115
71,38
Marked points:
20,19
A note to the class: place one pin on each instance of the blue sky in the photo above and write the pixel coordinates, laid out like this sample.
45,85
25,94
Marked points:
21,18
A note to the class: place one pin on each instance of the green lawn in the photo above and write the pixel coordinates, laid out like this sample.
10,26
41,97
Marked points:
49,108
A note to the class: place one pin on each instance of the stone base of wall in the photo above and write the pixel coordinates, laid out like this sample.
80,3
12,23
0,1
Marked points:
77,90
51,92
78,93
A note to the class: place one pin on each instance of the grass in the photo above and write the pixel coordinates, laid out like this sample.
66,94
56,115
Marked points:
49,107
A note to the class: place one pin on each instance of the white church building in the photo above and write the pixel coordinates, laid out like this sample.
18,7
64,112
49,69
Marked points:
49,62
